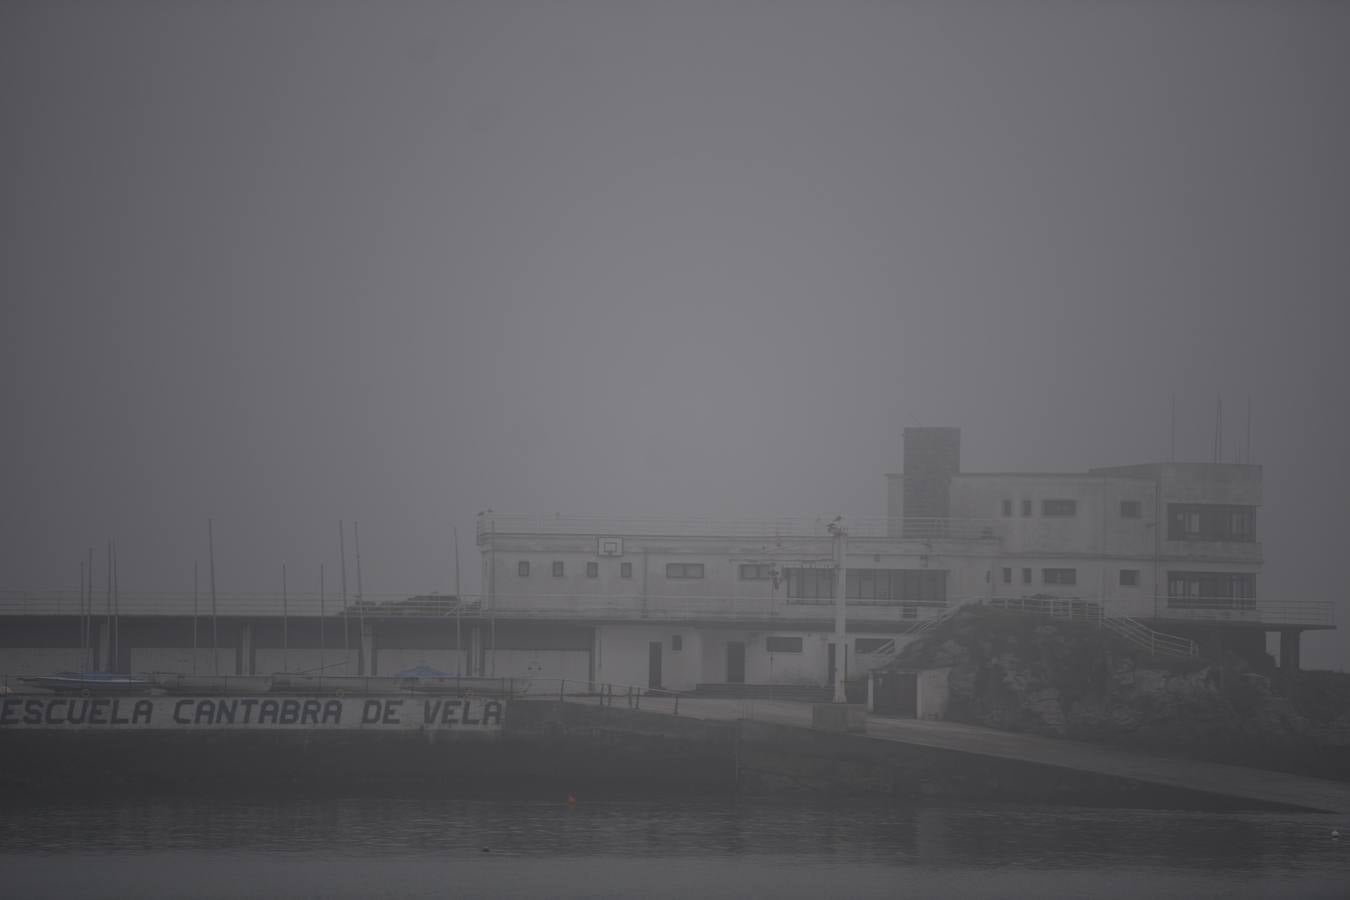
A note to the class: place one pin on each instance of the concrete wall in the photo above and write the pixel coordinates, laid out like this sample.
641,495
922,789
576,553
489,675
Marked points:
39,660
545,666
179,660
623,655
932,693
392,660
331,661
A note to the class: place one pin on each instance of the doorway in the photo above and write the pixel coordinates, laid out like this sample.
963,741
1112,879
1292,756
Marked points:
735,662
654,664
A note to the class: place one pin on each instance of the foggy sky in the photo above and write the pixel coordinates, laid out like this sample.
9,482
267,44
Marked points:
282,264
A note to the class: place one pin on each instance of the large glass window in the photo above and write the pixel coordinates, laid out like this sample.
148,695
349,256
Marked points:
684,570
1210,522
1211,590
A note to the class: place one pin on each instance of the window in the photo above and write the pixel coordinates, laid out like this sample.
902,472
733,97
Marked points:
626,570
684,570
755,571
523,568
877,587
676,642
1059,576
1007,575
1026,507
1007,507
557,568
776,644
1059,507
592,570
1026,576
1129,578
1210,522
1211,590
1131,509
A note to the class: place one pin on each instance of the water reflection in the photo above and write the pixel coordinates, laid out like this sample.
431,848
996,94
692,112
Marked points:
392,839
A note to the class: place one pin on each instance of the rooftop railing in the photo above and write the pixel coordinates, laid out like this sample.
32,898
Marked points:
913,528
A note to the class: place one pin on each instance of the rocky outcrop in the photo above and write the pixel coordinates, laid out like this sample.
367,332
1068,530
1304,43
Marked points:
1072,680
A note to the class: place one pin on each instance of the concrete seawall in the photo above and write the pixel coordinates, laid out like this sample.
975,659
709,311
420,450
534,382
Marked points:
551,749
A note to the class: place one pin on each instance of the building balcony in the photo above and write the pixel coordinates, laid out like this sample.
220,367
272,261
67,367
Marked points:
1246,610
1227,551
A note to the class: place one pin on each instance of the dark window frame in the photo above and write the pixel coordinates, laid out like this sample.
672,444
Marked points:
780,643
625,570
1026,508
1131,509
1059,576
523,569
676,643
559,569
1007,507
1128,578
1059,508
685,571
592,569
758,571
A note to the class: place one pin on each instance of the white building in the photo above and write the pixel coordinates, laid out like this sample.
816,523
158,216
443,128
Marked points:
1167,548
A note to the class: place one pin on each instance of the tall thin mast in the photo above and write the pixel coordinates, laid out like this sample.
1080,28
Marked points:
117,613
284,640
82,635
89,614
321,640
194,617
360,596
215,632
107,612
342,560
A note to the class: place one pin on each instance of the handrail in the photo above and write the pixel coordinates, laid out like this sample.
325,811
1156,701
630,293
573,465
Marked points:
1089,610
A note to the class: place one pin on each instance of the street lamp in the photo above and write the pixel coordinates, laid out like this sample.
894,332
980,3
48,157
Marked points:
840,535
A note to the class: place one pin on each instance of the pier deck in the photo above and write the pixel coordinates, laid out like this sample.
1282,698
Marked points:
1258,785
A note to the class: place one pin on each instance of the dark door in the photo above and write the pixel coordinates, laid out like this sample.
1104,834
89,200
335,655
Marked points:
654,664
735,662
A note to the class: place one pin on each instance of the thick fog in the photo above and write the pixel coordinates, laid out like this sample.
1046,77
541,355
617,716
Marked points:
285,264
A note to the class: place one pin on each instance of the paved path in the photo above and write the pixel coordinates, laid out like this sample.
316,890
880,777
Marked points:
1232,781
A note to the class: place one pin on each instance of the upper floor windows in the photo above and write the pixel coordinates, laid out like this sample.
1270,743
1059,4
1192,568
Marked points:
592,570
625,570
1059,507
1007,507
1059,576
1210,522
1129,578
1131,509
1026,507
684,570
1210,590
523,568
557,568
756,571
877,586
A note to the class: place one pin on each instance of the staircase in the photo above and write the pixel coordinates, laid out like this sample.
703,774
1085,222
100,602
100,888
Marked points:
1157,643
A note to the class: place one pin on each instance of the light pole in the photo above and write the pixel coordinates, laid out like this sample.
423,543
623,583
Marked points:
840,534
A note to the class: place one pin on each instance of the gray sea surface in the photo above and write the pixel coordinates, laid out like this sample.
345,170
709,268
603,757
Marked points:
399,847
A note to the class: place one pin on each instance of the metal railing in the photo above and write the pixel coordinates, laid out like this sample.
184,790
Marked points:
909,527
1094,612
1246,609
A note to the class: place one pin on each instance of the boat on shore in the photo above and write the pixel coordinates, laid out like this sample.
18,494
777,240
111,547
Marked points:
91,683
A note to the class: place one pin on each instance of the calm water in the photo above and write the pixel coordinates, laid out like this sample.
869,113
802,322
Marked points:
410,848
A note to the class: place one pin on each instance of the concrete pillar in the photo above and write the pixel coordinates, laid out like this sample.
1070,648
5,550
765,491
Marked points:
245,664
1289,651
